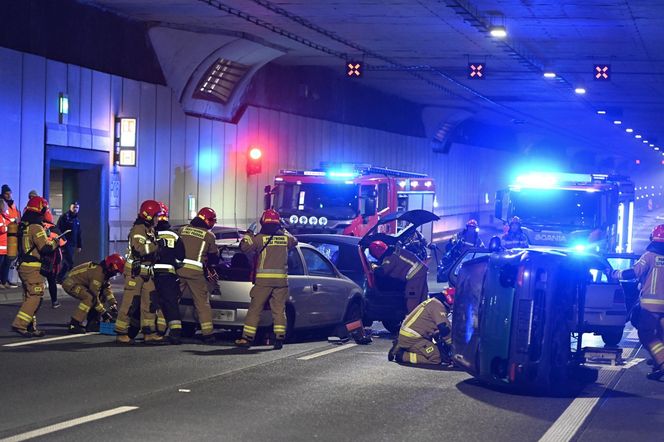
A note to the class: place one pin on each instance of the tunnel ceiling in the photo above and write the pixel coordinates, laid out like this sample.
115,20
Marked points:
420,50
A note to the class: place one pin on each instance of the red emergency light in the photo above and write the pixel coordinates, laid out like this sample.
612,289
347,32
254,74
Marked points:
254,160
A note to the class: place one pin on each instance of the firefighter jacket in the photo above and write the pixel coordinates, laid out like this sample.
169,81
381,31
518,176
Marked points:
34,243
171,252
270,256
403,265
649,270
142,247
93,277
514,240
198,246
424,321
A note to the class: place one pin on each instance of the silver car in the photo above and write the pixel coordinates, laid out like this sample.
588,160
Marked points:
319,295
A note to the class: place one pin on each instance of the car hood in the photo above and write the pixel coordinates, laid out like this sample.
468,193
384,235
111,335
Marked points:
415,218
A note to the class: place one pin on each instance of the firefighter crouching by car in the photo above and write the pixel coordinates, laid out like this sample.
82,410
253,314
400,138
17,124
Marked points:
33,243
649,270
109,302
169,258
139,304
424,325
86,282
402,264
468,238
200,252
514,238
270,250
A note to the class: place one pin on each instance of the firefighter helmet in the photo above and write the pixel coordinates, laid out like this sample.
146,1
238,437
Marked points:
377,249
208,215
515,220
149,209
472,224
115,263
37,204
48,216
657,234
270,216
163,214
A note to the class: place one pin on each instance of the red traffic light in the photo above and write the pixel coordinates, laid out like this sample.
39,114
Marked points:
254,161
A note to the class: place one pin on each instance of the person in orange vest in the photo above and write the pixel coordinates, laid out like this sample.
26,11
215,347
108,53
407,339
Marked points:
3,237
13,216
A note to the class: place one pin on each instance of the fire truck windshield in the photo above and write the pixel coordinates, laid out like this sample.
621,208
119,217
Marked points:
334,201
562,207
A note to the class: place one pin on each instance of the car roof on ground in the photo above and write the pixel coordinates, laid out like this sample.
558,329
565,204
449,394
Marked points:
329,238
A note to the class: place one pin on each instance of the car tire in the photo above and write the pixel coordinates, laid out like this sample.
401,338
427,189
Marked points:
353,311
290,323
613,337
392,325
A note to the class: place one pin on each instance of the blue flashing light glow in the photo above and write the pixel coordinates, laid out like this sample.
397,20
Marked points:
580,247
539,180
341,174
208,160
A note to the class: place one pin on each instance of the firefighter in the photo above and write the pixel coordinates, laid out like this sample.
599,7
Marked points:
169,258
468,237
86,282
200,252
649,270
110,304
270,251
33,243
514,238
425,335
139,303
403,265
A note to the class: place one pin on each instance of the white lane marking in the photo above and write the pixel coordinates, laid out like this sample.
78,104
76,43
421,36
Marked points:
68,424
57,338
325,352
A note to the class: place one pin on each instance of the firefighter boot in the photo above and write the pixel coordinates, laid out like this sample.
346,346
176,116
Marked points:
392,352
124,340
32,328
278,344
23,333
154,339
244,342
174,336
75,327
656,373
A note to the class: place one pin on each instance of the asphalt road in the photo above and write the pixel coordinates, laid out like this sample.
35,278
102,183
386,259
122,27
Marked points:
302,392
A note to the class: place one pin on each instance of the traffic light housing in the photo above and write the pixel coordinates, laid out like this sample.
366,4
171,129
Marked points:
254,160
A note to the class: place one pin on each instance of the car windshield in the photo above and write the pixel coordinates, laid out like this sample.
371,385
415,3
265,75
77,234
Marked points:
334,201
556,207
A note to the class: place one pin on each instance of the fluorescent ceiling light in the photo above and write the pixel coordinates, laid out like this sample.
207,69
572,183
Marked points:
601,112
629,130
580,90
498,31
617,122
549,75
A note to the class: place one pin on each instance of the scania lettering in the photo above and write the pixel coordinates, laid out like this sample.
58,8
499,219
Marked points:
349,199
585,212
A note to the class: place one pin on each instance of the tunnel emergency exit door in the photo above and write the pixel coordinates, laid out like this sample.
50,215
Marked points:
82,175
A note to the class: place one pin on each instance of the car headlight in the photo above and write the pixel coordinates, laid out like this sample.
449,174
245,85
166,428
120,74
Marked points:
313,220
303,219
293,219
322,221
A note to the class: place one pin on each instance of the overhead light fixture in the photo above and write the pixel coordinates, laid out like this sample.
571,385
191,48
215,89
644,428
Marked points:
617,122
652,145
638,136
657,148
601,112
645,141
629,130
498,31
580,90
549,75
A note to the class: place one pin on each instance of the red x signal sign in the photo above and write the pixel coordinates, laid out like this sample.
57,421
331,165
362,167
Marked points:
601,72
476,71
354,69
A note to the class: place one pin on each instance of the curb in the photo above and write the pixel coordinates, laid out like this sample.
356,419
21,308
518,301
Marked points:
10,295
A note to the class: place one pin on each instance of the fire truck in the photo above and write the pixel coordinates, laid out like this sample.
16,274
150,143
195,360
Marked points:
348,199
585,212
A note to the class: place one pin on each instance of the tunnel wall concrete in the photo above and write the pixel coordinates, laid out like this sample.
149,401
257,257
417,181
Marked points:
181,155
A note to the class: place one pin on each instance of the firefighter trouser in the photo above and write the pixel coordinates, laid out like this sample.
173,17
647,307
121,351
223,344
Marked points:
419,351
139,305
197,284
33,290
651,326
87,298
259,296
417,290
168,294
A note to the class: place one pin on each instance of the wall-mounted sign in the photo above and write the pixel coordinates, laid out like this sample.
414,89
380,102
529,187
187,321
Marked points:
125,141
115,190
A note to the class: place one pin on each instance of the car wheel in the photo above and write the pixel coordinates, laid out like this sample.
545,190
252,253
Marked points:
392,325
290,323
613,337
353,312
188,329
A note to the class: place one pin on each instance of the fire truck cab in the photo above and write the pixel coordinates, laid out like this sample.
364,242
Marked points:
349,199
584,212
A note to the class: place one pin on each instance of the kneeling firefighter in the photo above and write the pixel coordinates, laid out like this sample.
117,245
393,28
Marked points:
139,304
201,252
169,258
425,335
402,264
88,282
270,251
33,244
649,270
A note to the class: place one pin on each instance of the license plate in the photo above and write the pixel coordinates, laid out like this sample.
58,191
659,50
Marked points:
224,315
